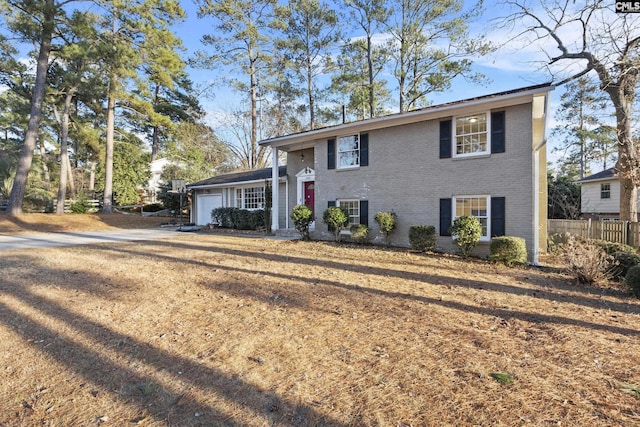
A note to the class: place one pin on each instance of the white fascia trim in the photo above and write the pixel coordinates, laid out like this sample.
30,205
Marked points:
612,179
409,117
235,184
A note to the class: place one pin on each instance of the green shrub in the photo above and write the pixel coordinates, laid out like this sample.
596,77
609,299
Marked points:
336,219
612,247
632,279
586,261
359,233
222,216
387,223
622,262
79,206
302,217
467,232
422,237
508,250
239,219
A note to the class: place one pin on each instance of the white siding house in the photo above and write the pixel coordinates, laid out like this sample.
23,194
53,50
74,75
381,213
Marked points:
600,195
244,190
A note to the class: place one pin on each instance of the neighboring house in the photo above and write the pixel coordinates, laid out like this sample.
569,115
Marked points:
600,195
245,190
155,181
484,156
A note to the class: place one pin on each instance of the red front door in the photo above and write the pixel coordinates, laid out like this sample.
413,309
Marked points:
308,194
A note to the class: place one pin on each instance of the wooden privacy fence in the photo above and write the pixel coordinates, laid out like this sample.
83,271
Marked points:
611,231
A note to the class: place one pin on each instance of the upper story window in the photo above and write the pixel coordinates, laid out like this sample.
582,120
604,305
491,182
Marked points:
250,198
471,136
477,206
348,151
605,191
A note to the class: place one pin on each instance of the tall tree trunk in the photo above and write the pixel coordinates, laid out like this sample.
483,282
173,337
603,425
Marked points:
312,107
622,94
92,180
45,168
155,142
254,116
71,183
402,80
370,67
107,197
64,152
26,156
628,163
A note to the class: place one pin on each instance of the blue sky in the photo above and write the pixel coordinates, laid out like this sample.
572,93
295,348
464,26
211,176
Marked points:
509,68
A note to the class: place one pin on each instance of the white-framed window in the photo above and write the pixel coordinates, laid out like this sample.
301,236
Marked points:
352,206
348,151
605,191
478,206
250,198
471,135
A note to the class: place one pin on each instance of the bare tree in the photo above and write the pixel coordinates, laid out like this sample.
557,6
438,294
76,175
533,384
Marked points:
592,37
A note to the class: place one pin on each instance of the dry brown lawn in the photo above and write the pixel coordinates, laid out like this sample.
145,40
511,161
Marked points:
211,329
51,223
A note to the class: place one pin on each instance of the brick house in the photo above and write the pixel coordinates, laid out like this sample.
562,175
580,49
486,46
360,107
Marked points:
484,156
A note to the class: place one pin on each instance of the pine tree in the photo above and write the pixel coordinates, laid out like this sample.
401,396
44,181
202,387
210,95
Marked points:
580,113
311,34
430,47
370,16
243,42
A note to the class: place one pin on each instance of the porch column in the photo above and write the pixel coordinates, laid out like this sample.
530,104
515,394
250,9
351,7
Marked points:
275,187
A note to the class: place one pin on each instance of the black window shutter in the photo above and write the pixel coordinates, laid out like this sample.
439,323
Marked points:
497,132
331,154
445,217
445,139
364,149
497,216
364,212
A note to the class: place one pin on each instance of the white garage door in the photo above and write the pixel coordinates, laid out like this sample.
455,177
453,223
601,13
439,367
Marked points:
205,204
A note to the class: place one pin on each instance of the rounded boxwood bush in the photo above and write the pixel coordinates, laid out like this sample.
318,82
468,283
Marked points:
336,218
633,280
612,247
359,233
302,217
508,250
467,232
387,223
622,262
422,237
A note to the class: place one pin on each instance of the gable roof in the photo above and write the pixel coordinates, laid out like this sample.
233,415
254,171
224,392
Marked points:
238,177
495,100
610,173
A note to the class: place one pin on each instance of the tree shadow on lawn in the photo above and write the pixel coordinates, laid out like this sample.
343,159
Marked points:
429,279
174,403
595,302
24,225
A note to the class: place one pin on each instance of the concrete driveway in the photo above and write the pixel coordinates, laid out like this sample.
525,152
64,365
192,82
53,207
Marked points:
47,240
